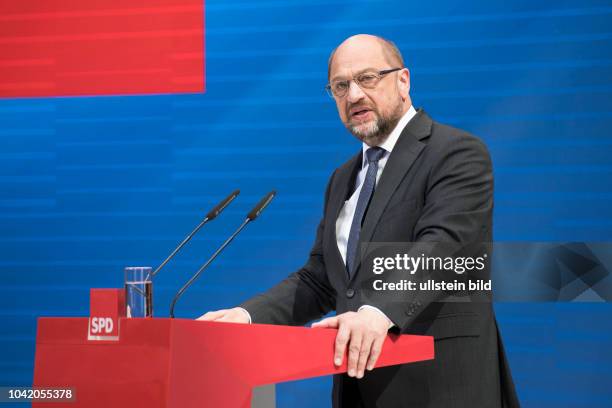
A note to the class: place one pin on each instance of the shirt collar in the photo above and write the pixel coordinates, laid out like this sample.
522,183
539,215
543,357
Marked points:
390,142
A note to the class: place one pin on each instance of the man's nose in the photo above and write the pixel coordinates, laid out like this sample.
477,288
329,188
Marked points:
354,93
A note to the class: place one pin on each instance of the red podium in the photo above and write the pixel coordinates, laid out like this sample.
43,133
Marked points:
185,363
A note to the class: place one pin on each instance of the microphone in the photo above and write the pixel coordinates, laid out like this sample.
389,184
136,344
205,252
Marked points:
251,216
209,217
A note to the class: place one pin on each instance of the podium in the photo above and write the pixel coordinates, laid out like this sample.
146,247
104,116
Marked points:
186,363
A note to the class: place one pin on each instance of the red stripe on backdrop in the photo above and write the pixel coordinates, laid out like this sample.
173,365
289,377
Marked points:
101,47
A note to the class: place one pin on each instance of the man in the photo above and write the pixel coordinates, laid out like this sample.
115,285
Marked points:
415,180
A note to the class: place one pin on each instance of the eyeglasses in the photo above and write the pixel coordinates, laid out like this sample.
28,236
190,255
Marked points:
367,80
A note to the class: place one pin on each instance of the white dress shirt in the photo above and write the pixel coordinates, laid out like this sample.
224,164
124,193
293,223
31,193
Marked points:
345,218
343,223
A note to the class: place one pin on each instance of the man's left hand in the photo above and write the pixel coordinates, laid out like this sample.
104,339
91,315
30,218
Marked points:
363,332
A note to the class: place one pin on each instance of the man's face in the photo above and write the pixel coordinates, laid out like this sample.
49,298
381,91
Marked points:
369,114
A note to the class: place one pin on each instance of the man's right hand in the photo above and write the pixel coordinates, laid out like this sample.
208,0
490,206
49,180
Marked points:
235,315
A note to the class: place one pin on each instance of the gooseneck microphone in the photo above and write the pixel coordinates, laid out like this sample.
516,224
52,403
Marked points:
212,214
251,216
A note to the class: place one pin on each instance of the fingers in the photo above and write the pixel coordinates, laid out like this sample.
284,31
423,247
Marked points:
330,322
212,316
234,316
342,339
375,352
361,334
364,354
364,335
354,351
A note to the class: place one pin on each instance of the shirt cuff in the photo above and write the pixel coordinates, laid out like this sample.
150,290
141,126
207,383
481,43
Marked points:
248,314
373,308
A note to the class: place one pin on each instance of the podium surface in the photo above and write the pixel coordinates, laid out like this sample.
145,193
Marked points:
186,363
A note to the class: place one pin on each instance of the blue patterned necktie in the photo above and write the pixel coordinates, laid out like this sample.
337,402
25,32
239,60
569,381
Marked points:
373,155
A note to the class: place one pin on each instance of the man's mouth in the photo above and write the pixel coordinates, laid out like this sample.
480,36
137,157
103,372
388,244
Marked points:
359,113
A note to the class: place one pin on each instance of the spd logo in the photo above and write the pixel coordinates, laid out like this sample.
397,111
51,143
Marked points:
101,325
107,307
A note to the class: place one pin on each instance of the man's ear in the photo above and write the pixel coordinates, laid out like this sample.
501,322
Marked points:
403,83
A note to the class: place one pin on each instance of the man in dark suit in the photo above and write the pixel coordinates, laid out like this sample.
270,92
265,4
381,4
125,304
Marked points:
415,180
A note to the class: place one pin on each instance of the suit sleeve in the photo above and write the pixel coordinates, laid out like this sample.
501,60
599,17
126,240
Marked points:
457,209
304,295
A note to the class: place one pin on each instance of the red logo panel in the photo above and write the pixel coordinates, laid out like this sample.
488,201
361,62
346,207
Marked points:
106,307
101,47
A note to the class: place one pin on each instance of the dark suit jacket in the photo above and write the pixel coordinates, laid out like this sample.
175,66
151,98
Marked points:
437,186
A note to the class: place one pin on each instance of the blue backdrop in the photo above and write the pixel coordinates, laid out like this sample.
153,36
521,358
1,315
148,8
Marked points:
90,185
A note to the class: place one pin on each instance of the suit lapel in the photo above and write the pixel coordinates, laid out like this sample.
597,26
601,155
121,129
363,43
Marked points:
402,157
343,186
